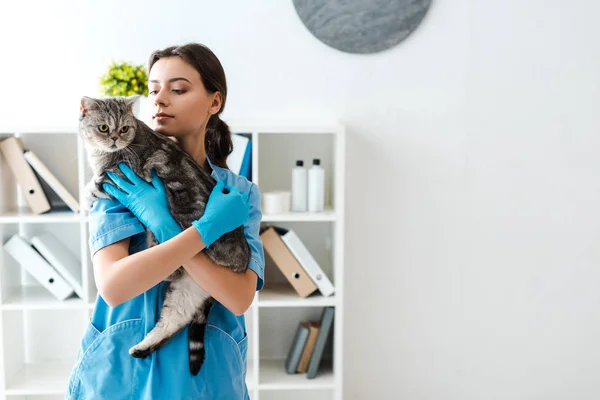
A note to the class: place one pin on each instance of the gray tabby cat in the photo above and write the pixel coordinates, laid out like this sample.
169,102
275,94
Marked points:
112,135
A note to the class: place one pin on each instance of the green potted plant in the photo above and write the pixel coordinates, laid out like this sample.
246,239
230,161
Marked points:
126,79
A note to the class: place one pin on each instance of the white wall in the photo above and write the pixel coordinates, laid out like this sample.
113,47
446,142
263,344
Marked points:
473,180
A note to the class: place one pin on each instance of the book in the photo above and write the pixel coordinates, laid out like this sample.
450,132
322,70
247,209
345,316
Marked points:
246,167
51,180
22,251
307,261
12,149
315,359
286,262
313,327
239,159
296,348
61,258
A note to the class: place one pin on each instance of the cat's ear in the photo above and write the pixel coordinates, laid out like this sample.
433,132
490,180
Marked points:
130,101
86,104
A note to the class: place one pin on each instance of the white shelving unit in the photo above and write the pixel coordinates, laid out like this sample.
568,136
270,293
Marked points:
40,335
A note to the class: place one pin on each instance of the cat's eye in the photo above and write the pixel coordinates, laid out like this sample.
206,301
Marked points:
124,129
103,128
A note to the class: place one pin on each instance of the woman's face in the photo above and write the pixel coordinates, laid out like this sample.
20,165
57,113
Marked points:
175,89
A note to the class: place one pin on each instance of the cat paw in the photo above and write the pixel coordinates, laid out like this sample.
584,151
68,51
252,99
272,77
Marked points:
139,352
90,194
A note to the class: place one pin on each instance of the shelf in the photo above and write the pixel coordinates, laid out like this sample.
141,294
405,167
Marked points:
32,319
41,379
38,298
250,380
327,215
286,296
283,126
278,126
39,130
274,377
25,215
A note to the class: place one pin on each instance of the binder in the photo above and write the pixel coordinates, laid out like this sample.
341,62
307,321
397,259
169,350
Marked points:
38,267
12,148
314,328
296,348
235,160
286,262
246,168
308,263
315,359
51,180
61,258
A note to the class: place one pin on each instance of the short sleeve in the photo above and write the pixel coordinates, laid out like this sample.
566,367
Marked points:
110,222
252,232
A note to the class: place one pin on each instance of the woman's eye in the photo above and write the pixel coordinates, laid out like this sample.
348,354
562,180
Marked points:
124,129
103,128
176,91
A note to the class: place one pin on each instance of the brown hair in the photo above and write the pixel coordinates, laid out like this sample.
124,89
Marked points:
217,142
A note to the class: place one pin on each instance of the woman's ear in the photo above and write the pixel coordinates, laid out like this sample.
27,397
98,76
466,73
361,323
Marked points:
217,102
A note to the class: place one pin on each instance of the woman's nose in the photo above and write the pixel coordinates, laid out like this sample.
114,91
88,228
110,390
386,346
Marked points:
160,99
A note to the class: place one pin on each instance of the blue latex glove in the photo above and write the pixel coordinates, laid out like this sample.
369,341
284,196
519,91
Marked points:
147,201
226,209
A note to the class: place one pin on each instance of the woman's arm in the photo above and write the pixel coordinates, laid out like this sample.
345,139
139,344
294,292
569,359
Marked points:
226,209
234,290
120,276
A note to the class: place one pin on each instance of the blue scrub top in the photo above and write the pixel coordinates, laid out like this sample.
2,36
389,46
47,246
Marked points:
105,370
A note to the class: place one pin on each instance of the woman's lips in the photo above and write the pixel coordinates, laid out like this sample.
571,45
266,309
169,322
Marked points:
162,117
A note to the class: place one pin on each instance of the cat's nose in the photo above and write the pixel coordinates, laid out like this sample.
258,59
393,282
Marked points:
114,138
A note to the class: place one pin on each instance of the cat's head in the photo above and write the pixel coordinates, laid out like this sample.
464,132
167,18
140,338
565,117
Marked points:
108,124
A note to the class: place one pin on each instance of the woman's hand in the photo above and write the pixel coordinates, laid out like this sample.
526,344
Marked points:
226,209
147,201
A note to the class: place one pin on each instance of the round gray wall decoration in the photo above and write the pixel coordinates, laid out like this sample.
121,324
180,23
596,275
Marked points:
361,26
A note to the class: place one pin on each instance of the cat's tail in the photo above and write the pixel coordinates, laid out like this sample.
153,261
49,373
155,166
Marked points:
196,336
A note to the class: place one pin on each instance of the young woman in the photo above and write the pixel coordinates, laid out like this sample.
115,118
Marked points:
188,90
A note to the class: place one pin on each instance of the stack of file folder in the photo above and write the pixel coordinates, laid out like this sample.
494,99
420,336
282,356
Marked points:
24,165
48,260
306,351
294,260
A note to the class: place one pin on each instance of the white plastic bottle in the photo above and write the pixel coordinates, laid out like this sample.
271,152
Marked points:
299,187
316,187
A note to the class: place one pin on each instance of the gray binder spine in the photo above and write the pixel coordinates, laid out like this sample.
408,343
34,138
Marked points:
293,357
315,359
